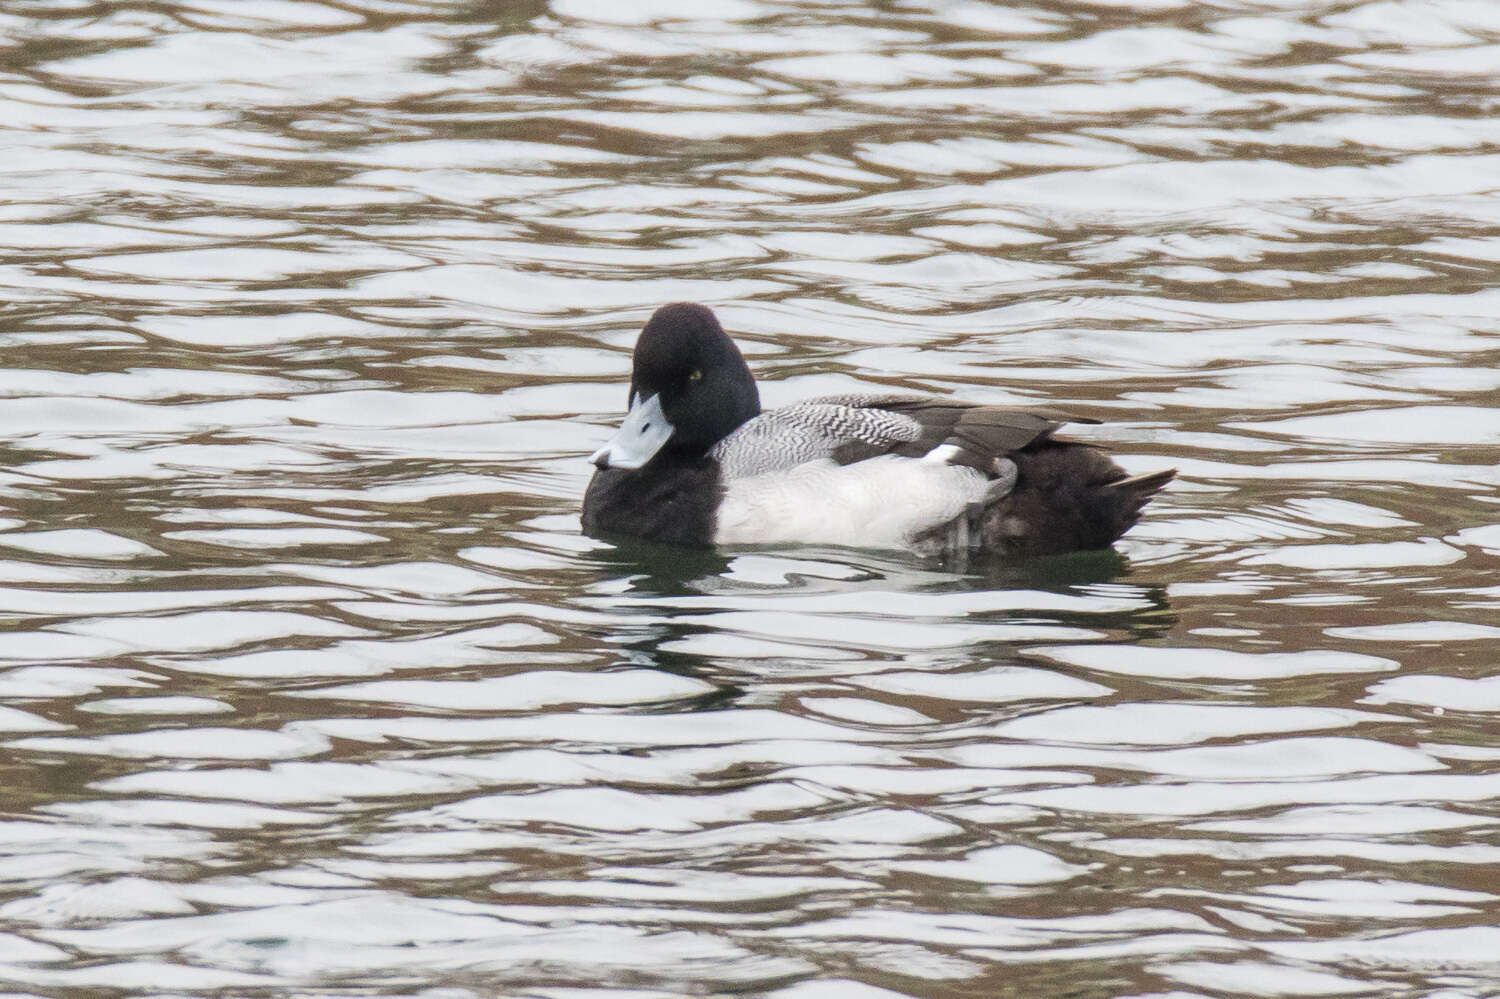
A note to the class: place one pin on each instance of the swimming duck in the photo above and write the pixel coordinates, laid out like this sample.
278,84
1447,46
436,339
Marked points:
697,462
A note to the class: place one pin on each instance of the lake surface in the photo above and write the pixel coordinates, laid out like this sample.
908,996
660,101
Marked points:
310,686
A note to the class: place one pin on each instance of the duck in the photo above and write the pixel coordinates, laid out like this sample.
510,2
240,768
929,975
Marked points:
697,462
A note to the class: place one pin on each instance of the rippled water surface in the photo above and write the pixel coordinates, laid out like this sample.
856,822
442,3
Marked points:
312,687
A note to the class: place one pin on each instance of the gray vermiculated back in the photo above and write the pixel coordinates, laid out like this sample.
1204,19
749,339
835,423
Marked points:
789,436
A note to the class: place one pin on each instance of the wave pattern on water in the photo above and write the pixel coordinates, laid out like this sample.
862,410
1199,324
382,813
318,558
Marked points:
310,683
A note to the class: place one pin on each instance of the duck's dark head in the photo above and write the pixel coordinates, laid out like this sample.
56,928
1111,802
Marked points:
689,389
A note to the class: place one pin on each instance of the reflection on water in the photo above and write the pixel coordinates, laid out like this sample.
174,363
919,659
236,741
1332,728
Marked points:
310,684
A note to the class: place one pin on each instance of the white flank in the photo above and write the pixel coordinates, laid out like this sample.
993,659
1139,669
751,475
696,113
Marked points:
878,503
943,453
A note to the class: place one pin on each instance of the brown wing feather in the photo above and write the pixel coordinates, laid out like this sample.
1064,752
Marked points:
982,433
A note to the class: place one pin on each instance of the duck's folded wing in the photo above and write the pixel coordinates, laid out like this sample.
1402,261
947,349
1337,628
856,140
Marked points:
974,434
850,428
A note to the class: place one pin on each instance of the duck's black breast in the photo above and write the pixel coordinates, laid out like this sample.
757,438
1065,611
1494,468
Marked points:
671,501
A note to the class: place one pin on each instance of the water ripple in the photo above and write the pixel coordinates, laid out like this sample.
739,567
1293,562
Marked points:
312,684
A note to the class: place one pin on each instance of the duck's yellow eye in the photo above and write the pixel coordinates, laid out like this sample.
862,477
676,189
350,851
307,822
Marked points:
696,376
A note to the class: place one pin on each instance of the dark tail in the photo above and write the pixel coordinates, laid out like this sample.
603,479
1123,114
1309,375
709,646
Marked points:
1067,497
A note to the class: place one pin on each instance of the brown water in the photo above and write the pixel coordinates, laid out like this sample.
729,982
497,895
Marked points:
311,686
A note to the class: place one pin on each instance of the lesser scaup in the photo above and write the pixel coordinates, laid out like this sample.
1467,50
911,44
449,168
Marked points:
696,462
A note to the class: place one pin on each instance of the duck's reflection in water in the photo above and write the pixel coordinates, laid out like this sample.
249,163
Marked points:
741,618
